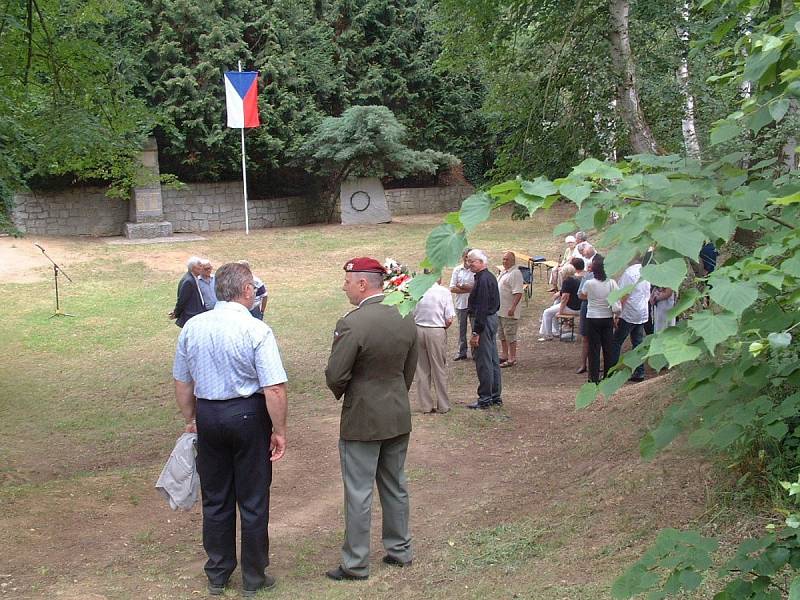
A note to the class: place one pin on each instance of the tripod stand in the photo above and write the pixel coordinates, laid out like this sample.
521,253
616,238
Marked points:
56,270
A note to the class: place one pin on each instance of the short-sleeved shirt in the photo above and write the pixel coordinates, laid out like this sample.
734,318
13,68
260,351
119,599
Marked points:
570,286
597,295
227,354
435,307
635,309
510,283
462,276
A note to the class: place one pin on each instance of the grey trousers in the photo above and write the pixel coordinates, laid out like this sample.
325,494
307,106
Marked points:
487,364
463,331
365,463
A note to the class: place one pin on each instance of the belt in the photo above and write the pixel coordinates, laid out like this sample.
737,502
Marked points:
432,326
254,394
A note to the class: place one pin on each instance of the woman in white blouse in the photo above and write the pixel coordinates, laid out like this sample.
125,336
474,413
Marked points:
599,318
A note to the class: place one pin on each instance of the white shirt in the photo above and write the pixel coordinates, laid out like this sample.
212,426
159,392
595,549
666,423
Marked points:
597,295
435,307
227,354
635,309
510,283
462,276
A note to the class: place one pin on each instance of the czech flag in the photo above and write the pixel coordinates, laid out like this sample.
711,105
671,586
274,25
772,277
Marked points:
241,98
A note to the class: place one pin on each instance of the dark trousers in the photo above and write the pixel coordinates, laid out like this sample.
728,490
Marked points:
487,364
463,319
233,463
625,329
601,336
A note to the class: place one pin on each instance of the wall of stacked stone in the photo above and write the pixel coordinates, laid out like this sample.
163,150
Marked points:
76,211
417,201
201,207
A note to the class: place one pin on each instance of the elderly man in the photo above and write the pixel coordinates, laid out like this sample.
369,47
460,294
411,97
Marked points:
484,302
511,285
206,284
190,300
433,315
231,389
634,315
461,285
372,364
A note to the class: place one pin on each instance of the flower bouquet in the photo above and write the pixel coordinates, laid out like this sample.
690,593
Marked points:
396,277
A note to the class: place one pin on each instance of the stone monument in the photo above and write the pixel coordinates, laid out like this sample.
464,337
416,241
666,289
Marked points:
363,202
146,212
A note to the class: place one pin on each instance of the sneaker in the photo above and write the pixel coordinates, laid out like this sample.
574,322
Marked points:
480,405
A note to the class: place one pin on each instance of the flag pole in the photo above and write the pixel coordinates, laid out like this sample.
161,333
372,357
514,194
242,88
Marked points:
244,178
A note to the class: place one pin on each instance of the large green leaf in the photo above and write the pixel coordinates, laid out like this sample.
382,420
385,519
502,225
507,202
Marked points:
609,386
669,274
724,131
586,395
620,256
735,296
685,301
714,328
575,191
445,245
591,167
420,284
684,238
759,63
475,210
540,187
674,345
791,266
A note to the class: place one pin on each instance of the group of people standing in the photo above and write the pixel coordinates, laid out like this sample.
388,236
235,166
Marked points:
583,292
197,294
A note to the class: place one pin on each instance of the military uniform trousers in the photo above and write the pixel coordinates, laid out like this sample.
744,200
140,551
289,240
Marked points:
363,464
432,369
233,439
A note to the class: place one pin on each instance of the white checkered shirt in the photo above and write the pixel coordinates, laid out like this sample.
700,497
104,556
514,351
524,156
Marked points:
227,354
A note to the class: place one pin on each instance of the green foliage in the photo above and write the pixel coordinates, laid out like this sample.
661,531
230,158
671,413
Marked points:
68,103
741,390
367,141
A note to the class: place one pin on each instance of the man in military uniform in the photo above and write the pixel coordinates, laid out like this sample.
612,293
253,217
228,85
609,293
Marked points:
372,364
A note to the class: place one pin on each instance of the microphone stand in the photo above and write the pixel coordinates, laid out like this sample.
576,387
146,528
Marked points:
56,270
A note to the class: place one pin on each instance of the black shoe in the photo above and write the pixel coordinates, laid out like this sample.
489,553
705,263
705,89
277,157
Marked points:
339,574
216,590
396,562
458,357
269,582
481,405
498,402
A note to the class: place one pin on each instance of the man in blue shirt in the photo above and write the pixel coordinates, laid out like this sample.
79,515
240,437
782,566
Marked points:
230,386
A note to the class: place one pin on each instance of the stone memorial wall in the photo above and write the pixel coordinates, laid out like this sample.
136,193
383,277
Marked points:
200,207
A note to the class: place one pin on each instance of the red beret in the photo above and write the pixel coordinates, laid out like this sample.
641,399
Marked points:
364,264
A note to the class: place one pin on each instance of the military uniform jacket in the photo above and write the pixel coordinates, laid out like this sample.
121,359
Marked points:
372,363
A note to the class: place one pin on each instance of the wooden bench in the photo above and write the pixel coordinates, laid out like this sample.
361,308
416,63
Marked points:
566,320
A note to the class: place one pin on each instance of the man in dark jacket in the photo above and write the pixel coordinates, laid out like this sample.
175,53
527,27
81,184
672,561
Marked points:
190,299
372,364
484,302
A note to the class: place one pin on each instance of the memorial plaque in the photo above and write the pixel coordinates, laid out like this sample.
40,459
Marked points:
363,201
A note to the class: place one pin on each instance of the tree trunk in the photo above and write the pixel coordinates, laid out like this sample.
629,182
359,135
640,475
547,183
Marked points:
690,139
789,150
641,137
